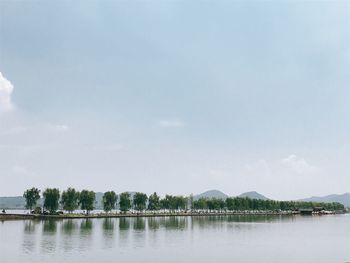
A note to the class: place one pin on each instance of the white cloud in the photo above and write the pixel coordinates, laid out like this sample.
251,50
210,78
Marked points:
171,124
6,89
298,165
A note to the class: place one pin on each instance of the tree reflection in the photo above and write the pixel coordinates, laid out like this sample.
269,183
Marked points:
29,226
139,223
68,226
153,223
124,223
50,226
108,224
86,226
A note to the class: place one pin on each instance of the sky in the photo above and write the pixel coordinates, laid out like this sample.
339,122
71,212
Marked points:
176,97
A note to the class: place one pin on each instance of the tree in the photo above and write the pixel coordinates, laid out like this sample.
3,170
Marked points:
87,200
51,199
191,200
124,202
154,202
70,199
32,196
139,201
109,200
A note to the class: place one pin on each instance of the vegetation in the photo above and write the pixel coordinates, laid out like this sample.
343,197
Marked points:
124,202
51,199
109,200
154,202
139,201
32,196
70,200
87,200
173,203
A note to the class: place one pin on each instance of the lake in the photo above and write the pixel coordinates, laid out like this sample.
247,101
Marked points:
179,239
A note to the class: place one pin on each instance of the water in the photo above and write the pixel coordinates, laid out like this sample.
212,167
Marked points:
178,239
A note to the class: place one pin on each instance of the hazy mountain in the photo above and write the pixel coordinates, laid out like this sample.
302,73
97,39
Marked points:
211,194
341,198
253,195
14,202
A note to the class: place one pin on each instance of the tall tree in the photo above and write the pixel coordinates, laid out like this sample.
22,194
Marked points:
124,202
70,199
154,202
191,199
109,200
139,201
51,199
32,196
87,200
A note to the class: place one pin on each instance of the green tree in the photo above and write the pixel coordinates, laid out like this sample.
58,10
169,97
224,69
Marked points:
191,200
124,202
70,200
139,201
51,199
109,200
32,196
87,200
154,202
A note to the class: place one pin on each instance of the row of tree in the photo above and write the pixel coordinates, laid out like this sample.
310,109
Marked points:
239,203
71,200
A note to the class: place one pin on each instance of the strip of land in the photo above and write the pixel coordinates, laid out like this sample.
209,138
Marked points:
4,217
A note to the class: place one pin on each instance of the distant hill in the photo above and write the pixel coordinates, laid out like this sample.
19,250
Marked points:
14,202
254,195
211,194
342,198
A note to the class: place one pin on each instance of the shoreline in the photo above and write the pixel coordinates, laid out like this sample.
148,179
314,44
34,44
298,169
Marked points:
7,217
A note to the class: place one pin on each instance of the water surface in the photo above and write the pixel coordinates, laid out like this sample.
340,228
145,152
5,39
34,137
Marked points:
178,239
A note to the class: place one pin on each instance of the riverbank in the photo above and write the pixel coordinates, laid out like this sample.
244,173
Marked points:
4,217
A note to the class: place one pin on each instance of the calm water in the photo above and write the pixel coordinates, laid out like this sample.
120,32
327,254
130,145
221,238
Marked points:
178,239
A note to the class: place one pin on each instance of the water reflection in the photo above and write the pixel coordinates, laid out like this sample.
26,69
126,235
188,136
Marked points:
29,240
173,222
69,226
108,232
158,239
48,241
153,223
29,226
50,226
124,223
86,226
139,223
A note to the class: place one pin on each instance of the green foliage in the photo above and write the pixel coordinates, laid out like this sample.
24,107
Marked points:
171,202
32,196
139,201
154,202
87,200
109,200
70,200
51,199
124,202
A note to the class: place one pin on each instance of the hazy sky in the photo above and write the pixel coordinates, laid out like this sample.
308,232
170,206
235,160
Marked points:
176,97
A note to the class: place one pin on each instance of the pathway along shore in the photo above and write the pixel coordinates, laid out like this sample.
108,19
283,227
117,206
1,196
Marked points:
4,217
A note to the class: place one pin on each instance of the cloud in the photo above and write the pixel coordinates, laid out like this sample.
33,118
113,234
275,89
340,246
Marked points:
6,89
171,124
298,165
